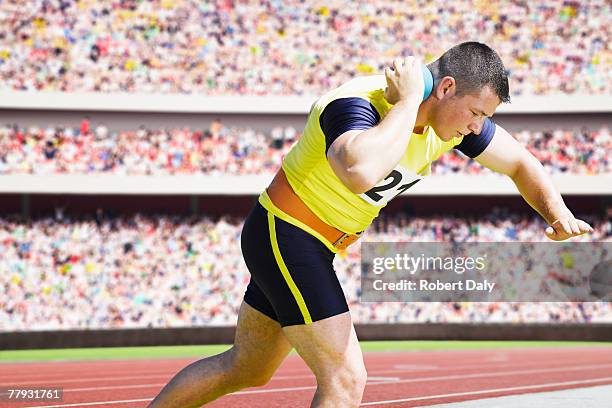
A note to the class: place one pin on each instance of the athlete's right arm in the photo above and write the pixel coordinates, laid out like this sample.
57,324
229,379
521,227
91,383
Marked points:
361,158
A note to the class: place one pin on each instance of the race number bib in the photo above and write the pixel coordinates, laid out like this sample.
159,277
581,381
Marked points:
399,180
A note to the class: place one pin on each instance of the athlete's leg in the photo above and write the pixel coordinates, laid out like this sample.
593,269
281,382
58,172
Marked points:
331,350
308,301
259,348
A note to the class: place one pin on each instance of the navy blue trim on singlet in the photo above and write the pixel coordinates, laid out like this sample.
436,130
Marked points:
344,114
472,145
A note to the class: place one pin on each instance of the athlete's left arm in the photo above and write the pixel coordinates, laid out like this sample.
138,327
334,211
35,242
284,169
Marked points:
506,155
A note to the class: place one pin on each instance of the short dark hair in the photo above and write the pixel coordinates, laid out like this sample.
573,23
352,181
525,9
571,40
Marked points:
473,65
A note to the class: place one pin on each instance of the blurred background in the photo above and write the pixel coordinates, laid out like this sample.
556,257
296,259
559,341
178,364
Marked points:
136,135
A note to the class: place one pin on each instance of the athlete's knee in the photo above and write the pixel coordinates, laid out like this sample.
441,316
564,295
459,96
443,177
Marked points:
249,378
241,374
258,379
354,378
347,382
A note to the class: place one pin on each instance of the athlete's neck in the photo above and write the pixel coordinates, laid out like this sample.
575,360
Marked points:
419,130
421,123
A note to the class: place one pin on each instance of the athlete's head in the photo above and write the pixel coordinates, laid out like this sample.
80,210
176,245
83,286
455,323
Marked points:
470,81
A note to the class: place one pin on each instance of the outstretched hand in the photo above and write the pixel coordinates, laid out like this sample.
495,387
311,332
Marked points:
565,228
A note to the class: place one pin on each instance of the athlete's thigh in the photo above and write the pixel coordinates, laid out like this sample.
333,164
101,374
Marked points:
292,275
327,345
260,344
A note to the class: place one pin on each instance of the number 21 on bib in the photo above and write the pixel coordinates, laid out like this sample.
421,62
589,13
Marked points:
399,180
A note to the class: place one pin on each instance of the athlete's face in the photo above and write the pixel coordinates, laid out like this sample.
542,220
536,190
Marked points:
456,116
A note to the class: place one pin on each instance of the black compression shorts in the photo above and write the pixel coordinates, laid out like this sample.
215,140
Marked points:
292,275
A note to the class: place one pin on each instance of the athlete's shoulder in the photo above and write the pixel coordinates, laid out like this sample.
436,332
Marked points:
472,145
364,87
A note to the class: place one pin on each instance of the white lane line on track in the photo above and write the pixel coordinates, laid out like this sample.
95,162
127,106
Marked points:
457,394
88,404
169,375
490,391
398,369
375,378
490,363
388,382
125,387
496,374
59,373
119,387
171,371
77,380
427,379
409,368
417,367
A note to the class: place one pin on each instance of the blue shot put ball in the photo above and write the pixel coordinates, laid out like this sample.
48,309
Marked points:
427,81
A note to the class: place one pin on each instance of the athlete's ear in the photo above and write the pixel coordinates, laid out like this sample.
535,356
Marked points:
445,87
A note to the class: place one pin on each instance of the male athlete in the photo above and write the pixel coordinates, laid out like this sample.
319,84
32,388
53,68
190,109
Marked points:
364,143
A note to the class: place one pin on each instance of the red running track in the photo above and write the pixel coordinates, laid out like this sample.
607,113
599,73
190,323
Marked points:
396,379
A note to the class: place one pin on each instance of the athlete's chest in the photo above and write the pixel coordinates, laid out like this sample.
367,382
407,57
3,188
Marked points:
414,165
422,150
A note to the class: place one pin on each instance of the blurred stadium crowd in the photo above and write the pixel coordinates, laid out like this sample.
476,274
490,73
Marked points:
171,271
227,150
291,47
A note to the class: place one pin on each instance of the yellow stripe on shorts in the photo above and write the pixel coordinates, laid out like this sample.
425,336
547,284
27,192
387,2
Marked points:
281,264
